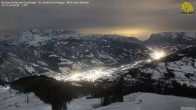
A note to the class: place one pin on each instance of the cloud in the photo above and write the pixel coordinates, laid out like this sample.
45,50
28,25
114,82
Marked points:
101,15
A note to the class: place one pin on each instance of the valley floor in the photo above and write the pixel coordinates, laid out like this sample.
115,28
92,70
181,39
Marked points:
135,101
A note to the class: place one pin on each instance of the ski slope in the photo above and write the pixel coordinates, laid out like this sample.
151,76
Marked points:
84,104
14,101
150,101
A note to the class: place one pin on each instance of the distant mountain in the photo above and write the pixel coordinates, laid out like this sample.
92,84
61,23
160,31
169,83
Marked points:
171,41
51,52
37,37
174,38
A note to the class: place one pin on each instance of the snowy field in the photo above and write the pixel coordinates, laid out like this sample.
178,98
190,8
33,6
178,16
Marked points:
84,104
14,101
135,101
152,102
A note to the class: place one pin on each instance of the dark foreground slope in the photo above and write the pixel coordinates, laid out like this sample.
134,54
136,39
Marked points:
51,91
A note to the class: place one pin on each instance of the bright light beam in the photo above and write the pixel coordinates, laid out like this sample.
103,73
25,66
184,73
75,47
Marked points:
156,55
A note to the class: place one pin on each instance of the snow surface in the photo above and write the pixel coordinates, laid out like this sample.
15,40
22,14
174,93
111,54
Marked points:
38,37
84,104
150,101
180,68
15,101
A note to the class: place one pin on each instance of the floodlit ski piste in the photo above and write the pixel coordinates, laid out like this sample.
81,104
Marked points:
101,72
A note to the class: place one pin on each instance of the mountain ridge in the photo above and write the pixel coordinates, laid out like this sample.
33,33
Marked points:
41,53
172,38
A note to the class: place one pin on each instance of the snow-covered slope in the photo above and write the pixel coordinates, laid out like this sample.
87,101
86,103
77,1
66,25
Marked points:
149,101
172,38
11,100
171,41
174,74
180,67
152,102
42,51
84,104
37,37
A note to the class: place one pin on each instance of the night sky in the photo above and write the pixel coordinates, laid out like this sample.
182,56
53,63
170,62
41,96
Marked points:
137,18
